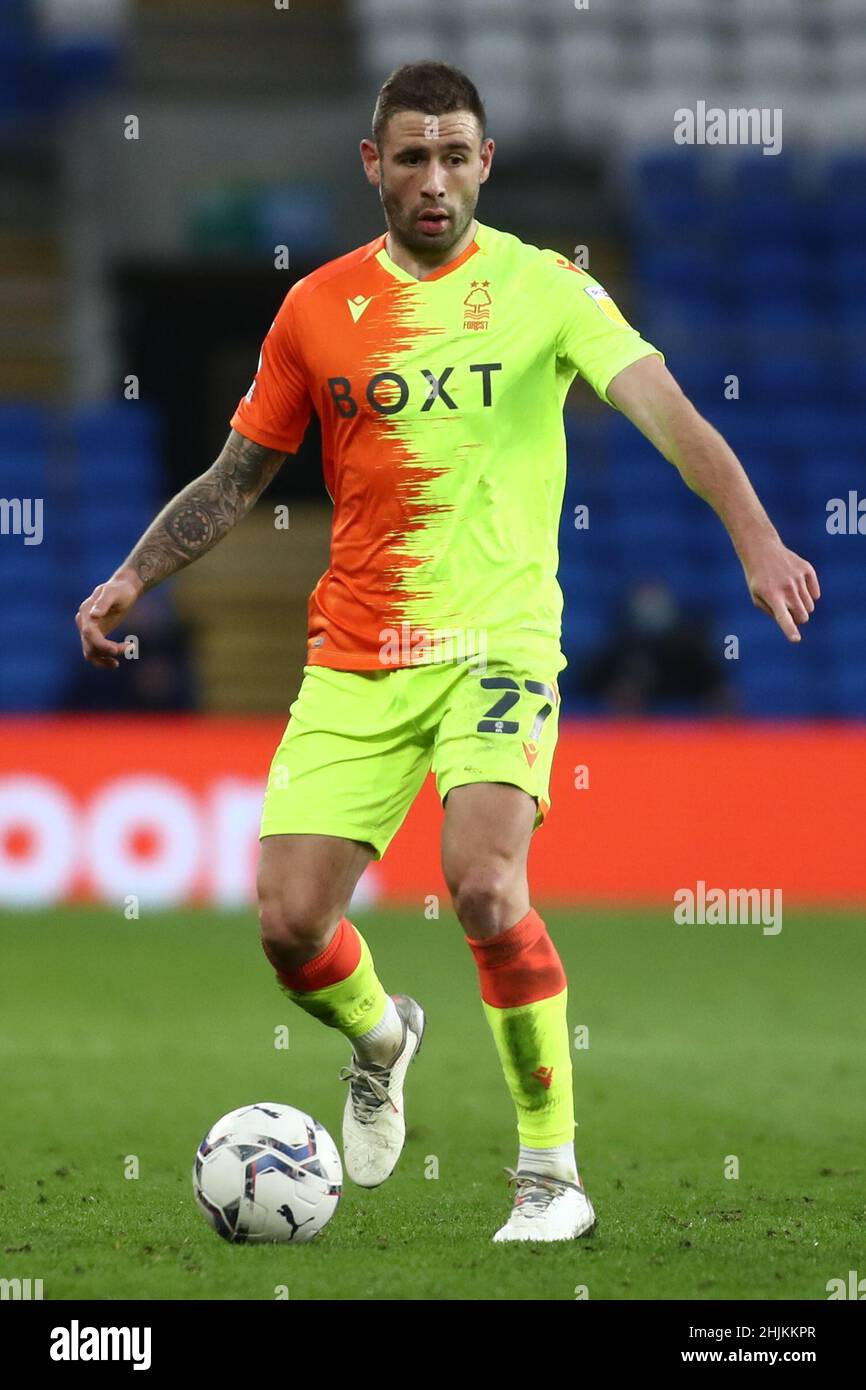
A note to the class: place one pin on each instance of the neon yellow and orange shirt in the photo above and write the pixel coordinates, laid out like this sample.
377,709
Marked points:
443,444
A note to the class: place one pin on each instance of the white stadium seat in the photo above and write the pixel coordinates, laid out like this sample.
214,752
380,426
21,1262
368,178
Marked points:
383,49
664,13
686,59
411,12
539,62
779,15
503,66
846,60
850,12
767,58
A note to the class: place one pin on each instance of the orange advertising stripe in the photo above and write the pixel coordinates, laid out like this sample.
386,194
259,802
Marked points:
638,810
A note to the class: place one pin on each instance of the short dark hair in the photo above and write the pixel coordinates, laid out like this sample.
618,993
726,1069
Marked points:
434,88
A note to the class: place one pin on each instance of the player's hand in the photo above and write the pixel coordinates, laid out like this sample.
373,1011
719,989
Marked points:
783,585
102,611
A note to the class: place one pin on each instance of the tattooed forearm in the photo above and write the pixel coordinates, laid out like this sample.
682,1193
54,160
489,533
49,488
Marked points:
205,510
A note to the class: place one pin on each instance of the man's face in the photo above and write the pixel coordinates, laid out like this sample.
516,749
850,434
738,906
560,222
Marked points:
429,165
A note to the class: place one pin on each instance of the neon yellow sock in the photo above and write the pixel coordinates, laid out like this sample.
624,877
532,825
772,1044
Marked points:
533,1045
525,995
340,986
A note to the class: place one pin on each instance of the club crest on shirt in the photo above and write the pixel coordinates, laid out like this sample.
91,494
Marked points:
476,310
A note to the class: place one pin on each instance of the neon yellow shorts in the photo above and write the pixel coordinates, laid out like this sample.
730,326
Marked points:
359,744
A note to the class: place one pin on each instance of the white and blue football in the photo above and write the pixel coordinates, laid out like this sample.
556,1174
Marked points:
267,1173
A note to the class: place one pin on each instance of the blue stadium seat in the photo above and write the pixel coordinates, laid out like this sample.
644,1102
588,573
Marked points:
723,588
818,433
30,572
667,172
87,521
845,219
114,424
694,308
850,688
32,679
702,375
130,472
777,311
671,269
783,378
850,374
81,67
116,455
587,436
830,472
24,426
758,267
757,175
678,212
23,470
773,219
651,530
641,477
846,172
752,430
847,641
790,324
847,271
770,689
584,626
596,592
36,640
776,475
843,582
99,515
16,16
847,636
852,312
22,74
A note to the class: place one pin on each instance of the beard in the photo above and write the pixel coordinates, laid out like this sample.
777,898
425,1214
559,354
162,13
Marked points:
403,224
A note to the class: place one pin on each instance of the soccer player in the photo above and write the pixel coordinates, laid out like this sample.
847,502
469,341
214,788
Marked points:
437,357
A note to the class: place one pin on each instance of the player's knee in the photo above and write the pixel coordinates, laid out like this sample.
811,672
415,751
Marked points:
295,927
482,898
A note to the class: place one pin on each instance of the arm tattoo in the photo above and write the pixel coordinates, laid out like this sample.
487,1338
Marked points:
205,510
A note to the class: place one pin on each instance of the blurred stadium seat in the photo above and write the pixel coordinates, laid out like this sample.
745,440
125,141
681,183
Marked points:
98,468
768,280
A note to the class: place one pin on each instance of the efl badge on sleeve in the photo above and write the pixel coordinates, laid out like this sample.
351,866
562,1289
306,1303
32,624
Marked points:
606,304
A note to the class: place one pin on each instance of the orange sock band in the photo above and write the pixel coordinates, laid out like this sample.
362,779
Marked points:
519,966
339,958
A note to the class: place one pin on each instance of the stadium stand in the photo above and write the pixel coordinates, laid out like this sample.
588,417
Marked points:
749,272
757,279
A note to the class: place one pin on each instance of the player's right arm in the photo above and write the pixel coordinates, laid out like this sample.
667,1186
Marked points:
269,423
187,527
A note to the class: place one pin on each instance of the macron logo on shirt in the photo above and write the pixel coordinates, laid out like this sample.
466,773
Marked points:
357,306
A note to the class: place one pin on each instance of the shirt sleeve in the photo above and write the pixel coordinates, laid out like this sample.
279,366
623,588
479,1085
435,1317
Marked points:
276,410
592,335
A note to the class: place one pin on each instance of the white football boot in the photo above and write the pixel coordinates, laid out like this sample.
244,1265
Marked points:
374,1121
547,1209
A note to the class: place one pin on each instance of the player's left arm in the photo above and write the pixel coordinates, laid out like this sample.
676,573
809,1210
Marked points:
779,581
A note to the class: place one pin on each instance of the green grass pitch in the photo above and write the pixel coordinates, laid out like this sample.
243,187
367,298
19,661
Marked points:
123,1038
